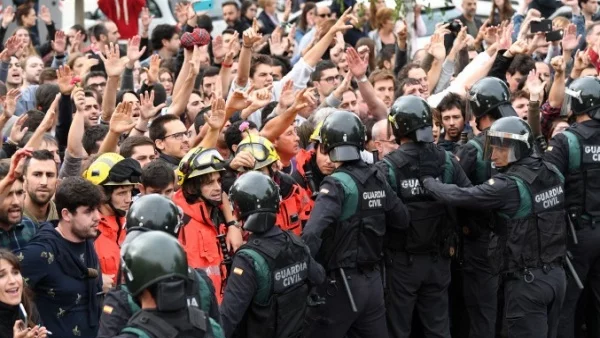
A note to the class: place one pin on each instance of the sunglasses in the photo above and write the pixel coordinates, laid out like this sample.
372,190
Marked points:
328,15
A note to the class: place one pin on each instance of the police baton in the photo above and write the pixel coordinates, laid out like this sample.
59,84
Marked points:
568,258
348,291
572,230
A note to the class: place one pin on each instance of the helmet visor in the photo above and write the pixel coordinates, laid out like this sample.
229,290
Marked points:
259,151
424,134
504,148
206,162
344,153
572,97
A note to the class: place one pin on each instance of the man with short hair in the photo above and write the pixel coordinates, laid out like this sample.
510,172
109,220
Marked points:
384,83
171,139
165,42
231,16
40,173
326,78
15,230
383,138
60,264
95,80
157,178
452,110
208,83
468,19
516,74
140,148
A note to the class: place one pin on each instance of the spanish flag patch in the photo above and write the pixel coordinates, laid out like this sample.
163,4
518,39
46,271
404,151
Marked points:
107,309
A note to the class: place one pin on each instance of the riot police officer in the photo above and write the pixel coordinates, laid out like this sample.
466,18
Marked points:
345,232
576,153
153,213
529,235
156,273
489,100
418,258
266,293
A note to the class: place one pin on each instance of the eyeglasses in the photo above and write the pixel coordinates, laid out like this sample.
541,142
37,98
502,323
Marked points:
331,79
326,15
97,85
179,136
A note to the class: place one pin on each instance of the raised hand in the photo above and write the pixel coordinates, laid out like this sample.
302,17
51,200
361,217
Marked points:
357,65
153,69
148,110
17,162
436,48
286,98
75,43
195,61
275,42
134,52
121,121
17,132
65,80
79,99
344,86
582,60
146,18
237,101
558,64
10,103
570,40
251,35
45,15
519,47
8,16
340,25
12,45
260,98
50,117
181,13
113,63
59,45
535,85
216,120
304,99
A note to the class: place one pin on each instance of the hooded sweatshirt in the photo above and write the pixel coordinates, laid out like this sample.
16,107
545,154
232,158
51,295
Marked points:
65,278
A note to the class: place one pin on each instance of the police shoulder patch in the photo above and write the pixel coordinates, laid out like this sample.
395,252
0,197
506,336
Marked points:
107,309
491,181
324,191
238,271
549,148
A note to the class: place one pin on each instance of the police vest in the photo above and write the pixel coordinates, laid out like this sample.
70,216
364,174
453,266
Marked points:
199,295
145,324
477,222
535,234
583,177
483,168
430,223
281,270
356,241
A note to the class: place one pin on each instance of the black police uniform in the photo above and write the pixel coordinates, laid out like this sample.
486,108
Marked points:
529,240
255,306
352,240
119,306
418,259
186,323
583,208
480,283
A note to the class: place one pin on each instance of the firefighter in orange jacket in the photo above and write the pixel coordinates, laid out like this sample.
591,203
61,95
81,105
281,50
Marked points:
117,176
292,213
312,166
210,234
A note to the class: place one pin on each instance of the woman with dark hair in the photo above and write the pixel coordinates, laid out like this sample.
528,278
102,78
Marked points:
501,11
13,295
249,9
307,20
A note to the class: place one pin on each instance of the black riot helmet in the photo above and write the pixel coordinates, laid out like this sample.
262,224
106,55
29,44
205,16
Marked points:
511,134
154,212
583,96
490,96
410,117
343,136
255,199
156,258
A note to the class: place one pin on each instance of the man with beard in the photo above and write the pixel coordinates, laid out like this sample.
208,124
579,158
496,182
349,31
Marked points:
41,174
15,230
231,15
60,264
452,111
171,138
